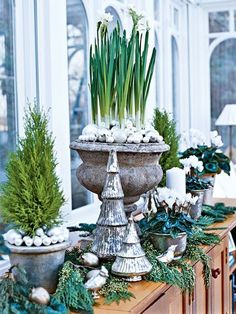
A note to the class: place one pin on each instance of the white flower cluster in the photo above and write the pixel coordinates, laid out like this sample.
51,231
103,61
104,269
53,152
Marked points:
42,237
105,18
142,25
171,198
192,162
216,139
93,133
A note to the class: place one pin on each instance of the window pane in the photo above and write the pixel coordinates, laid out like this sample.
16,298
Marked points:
219,22
7,85
77,45
175,81
223,87
156,4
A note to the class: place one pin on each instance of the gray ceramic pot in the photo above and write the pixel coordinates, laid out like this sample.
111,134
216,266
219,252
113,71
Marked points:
41,263
196,210
163,241
208,195
138,163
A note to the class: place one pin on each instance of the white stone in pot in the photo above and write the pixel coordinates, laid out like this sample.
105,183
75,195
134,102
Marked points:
11,236
103,133
119,136
39,232
54,231
54,239
28,241
47,241
146,139
110,139
90,129
37,241
61,238
18,241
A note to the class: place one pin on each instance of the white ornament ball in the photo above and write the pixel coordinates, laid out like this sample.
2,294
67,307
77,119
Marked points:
40,296
146,139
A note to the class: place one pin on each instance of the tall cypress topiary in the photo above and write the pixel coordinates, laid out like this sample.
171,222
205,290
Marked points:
32,196
167,128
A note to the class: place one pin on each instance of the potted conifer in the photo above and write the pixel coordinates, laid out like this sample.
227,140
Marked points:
31,200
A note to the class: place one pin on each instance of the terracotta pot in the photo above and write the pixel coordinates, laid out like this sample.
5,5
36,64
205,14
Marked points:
162,242
40,263
139,167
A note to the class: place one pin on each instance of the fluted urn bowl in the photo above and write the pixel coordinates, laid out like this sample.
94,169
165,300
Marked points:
139,166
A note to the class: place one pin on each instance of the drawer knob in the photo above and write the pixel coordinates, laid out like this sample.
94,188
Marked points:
215,272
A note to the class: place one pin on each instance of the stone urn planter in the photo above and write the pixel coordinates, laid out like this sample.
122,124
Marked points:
162,242
139,167
40,263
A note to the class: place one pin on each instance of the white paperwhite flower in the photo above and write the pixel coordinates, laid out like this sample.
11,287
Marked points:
106,18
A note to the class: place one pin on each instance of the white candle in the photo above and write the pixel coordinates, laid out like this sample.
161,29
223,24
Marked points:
175,179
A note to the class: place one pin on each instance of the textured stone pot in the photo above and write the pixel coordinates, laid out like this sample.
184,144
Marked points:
162,242
196,210
40,263
139,167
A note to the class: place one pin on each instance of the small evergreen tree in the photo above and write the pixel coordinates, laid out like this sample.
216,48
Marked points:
32,197
167,128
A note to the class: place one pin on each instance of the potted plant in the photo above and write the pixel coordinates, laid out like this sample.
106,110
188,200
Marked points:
213,160
120,77
168,223
195,185
30,201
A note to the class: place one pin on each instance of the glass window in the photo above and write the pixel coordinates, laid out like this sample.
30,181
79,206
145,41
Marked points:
116,19
175,80
235,20
176,18
156,4
77,45
219,22
7,84
223,87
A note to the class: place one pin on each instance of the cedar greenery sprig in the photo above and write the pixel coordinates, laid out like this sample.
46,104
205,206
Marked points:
166,127
71,291
32,196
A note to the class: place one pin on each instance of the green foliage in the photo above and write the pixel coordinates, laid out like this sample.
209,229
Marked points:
213,161
194,183
167,128
120,74
14,296
71,290
115,290
32,198
87,227
177,273
218,212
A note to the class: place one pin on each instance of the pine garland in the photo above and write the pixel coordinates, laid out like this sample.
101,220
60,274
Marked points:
71,290
32,197
14,297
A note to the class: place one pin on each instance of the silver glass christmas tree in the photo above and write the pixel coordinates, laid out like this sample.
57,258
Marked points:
112,221
131,262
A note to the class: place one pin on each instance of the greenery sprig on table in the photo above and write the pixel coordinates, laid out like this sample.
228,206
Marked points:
32,197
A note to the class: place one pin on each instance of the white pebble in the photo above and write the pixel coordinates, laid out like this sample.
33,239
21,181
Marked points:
90,129
47,241
103,133
29,241
18,242
146,139
119,136
110,139
37,241
54,239
39,232
55,231
61,238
